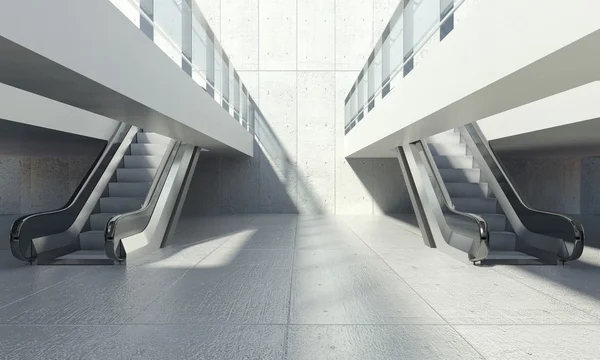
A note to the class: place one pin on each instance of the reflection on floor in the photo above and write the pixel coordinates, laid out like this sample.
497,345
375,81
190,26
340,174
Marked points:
289,287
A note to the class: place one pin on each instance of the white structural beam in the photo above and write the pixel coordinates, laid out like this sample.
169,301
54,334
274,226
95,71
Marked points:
88,55
27,108
506,54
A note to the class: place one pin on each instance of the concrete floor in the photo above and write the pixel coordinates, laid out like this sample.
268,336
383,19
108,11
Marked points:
288,287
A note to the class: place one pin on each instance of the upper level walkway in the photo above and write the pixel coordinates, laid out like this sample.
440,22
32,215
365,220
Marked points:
499,56
87,54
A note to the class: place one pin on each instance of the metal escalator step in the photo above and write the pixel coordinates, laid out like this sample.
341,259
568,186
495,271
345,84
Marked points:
511,257
476,205
467,189
496,222
151,138
128,189
120,205
447,149
148,149
460,175
92,240
454,162
141,161
502,241
135,175
98,221
84,257
449,137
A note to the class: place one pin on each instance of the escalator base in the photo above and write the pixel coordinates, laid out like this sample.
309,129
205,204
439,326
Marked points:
81,257
513,258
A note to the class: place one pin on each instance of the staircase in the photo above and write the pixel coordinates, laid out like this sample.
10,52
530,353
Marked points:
126,192
470,194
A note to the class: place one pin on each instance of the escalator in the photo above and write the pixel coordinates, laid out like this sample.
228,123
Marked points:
466,203
126,206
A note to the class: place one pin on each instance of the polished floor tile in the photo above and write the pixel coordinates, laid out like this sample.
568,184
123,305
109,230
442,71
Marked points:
106,295
233,294
350,287
298,287
482,296
534,342
160,342
19,280
51,342
576,286
224,257
266,237
358,342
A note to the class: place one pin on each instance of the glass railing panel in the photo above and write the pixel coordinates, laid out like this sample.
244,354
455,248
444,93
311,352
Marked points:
236,92
412,25
426,14
225,80
181,31
168,15
218,76
244,105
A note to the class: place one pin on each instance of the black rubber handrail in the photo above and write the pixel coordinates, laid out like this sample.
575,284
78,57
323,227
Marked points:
134,222
537,221
480,234
32,226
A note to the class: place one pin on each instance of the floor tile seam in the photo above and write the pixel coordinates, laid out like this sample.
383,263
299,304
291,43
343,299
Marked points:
400,324
417,293
169,286
597,318
410,230
401,278
289,307
467,341
48,287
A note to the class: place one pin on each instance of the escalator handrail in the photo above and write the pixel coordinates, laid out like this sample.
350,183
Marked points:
131,223
45,223
480,247
578,232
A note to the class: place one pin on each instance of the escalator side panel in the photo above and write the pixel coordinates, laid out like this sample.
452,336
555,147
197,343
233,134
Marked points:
415,198
46,235
536,230
150,237
448,229
176,213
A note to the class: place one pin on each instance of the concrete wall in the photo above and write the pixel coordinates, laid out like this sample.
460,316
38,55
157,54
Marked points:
298,58
568,185
41,168
31,184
